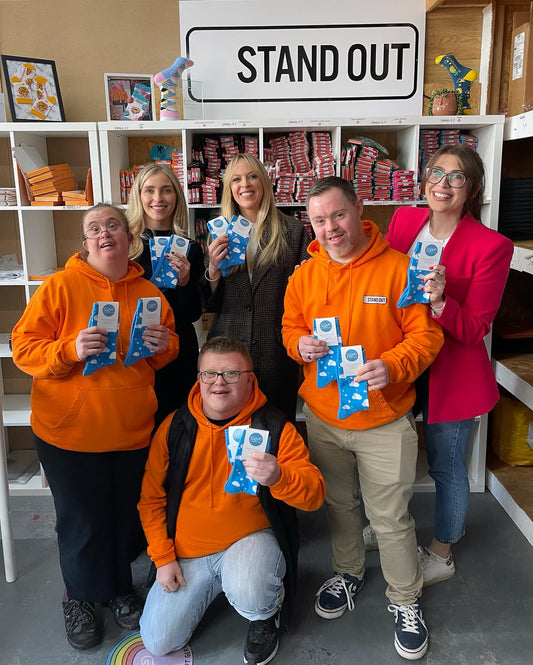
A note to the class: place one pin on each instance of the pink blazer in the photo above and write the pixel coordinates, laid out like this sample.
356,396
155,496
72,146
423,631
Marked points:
477,260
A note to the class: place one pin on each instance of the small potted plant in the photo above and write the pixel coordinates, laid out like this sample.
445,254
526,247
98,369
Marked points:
445,102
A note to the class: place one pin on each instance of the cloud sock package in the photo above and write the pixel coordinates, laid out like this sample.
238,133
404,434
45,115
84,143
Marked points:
328,329
163,275
241,440
353,395
425,255
238,230
104,315
148,311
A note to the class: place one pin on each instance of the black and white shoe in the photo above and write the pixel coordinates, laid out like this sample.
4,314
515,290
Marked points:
410,632
81,624
337,595
262,641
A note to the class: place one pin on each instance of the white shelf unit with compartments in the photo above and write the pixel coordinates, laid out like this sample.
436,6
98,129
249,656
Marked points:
42,238
514,371
400,135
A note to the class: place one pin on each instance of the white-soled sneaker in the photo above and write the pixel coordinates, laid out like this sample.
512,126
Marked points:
410,633
435,568
370,539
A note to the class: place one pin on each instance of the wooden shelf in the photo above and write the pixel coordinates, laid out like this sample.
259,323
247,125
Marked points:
515,373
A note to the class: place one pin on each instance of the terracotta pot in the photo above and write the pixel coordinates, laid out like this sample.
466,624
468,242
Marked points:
445,104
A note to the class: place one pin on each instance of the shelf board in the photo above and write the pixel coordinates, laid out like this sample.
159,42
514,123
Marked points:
518,127
515,373
16,410
5,351
523,256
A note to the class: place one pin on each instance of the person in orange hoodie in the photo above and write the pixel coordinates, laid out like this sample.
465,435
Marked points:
206,536
361,432
92,430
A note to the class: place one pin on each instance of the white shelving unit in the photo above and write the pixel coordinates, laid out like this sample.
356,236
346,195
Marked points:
400,135
511,372
42,238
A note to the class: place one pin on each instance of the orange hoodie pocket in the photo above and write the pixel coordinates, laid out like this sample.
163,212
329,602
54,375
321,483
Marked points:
378,401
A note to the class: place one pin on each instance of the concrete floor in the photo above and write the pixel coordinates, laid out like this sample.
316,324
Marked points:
482,616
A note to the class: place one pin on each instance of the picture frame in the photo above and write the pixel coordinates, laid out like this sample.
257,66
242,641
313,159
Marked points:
32,89
129,97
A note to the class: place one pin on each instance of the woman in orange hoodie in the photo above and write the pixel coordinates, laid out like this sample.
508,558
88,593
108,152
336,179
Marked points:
92,430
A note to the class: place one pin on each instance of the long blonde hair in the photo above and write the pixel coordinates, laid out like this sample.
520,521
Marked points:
269,227
135,210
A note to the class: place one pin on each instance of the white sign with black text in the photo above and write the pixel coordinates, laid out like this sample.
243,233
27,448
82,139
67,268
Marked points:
299,59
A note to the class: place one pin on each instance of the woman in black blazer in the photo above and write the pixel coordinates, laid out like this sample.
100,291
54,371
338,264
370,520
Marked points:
248,303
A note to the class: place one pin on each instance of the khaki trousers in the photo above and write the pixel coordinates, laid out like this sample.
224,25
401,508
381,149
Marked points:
381,463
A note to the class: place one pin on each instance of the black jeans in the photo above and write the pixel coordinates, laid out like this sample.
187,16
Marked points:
98,528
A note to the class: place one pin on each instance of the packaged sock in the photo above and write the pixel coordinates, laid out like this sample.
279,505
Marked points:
104,315
163,274
426,254
138,104
328,330
148,311
238,231
241,441
353,395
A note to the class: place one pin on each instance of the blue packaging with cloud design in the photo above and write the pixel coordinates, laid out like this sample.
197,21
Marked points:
148,311
163,275
241,440
104,315
353,394
425,255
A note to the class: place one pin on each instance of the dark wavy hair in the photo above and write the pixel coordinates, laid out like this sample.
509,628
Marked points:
472,166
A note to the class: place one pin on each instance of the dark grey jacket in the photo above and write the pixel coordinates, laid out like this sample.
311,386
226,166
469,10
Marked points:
252,313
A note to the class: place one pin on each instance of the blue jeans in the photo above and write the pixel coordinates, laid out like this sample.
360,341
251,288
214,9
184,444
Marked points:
250,572
447,447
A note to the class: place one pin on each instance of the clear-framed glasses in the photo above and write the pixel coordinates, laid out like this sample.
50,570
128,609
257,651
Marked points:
455,179
95,231
229,376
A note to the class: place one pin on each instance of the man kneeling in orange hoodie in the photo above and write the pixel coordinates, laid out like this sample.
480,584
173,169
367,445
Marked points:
204,538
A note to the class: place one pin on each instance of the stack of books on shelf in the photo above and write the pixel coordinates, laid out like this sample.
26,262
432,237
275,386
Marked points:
80,197
48,183
8,196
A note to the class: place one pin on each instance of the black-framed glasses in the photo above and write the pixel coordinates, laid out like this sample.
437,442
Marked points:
95,231
455,179
229,376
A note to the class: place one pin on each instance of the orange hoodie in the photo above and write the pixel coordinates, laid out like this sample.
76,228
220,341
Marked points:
363,294
111,409
210,519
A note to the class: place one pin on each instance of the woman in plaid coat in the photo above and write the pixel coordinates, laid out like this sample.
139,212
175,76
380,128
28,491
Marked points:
248,303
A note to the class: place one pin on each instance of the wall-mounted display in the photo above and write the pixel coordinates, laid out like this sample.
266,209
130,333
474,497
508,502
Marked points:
32,89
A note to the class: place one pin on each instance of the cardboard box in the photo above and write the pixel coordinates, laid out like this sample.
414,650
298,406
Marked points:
521,75
512,432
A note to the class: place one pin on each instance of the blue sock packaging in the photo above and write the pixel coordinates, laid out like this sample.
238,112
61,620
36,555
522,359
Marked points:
241,440
163,275
426,254
353,395
238,230
104,315
148,311
328,330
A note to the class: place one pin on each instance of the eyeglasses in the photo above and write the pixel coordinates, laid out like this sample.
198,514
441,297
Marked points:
455,179
96,231
229,376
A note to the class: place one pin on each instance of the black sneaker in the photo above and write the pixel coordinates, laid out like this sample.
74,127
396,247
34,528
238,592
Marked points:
262,641
336,595
81,624
127,610
411,634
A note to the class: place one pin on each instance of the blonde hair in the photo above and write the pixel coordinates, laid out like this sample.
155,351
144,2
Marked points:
135,210
267,217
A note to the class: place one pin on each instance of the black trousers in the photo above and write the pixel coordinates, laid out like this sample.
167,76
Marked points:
98,528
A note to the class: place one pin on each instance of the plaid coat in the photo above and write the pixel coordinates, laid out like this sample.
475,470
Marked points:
252,313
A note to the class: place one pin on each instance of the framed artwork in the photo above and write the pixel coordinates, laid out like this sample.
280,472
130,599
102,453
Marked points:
32,89
129,96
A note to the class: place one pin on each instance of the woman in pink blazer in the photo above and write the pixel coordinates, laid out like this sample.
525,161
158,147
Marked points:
465,291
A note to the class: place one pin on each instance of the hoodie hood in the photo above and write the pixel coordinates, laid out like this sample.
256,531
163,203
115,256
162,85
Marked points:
376,246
